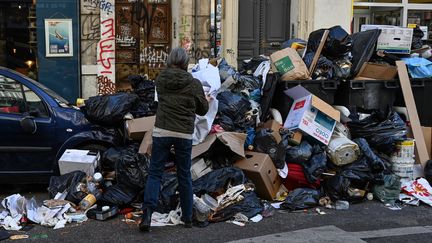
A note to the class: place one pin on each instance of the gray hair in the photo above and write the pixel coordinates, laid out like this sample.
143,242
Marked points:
178,58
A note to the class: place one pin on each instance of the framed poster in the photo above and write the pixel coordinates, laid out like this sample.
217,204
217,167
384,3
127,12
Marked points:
58,38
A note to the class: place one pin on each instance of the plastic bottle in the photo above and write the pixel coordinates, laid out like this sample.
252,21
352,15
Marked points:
341,205
87,202
92,189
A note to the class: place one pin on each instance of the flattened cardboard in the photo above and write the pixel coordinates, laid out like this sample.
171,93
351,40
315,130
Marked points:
199,168
235,141
136,128
376,71
412,113
259,168
427,133
318,52
146,144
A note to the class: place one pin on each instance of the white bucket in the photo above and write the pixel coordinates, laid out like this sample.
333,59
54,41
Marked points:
404,150
404,170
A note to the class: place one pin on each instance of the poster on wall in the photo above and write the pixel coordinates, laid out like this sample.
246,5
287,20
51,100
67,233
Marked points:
58,38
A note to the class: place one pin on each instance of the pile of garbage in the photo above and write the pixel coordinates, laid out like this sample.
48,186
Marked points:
245,154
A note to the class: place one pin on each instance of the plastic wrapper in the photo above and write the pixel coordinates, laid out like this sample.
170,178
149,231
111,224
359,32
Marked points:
342,68
301,198
338,42
381,131
225,70
118,194
418,67
389,191
245,84
266,143
316,165
420,189
68,182
109,110
299,154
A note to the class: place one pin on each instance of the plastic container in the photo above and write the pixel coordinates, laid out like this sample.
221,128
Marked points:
341,205
324,89
367,94
87,202
403,170
405,151
422,90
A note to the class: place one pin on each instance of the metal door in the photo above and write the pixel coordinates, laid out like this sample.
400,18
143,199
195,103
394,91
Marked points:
263,27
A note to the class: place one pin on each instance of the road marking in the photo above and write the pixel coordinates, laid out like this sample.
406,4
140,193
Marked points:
332,233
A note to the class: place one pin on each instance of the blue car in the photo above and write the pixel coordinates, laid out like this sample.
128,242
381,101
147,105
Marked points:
37,126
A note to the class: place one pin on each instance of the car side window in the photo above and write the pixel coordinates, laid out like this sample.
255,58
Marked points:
11,96
17,98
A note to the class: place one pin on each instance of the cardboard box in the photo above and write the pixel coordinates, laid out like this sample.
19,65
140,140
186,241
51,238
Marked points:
259,168
199,168
234,141
311,115
146,144
375,71
296,138
76,159
427,134
136,128
392,39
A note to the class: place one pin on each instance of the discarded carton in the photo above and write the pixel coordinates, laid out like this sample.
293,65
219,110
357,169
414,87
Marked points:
311,115
296,138
82,160
259,168
146,144
392,39
199,168
235,142
376,71
289,64
136,128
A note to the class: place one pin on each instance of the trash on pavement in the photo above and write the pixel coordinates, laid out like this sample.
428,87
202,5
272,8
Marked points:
420,189
301,198
389,191
102,213
81,160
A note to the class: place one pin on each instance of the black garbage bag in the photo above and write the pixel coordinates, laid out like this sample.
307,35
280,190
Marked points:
323,68
249,66
417,41
376,164
379,129
120,195
316,165
268,90
225,70
218,180
342,68
249,206
68,182
338,42
168,198
299,154
220,155
265,143
301,198
389,191
428,171
109,110
145,89
132,167
232,111
363,48
337,188
245,84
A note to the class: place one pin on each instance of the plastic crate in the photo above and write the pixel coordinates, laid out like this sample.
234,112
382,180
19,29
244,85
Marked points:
422,91
367,94
324,89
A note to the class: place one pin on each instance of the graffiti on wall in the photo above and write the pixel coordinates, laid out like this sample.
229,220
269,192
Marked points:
106,53
126,34
103,5
153,58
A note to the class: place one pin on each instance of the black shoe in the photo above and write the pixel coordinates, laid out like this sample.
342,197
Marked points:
144,226
188,224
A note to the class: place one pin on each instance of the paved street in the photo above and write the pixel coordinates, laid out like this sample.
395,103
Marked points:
364,222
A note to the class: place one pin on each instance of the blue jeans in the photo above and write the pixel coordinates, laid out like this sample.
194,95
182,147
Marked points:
160,151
